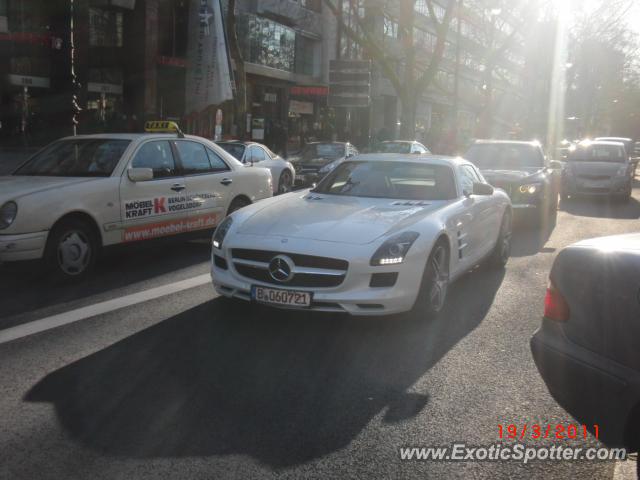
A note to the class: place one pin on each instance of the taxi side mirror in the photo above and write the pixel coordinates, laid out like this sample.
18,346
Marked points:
140,174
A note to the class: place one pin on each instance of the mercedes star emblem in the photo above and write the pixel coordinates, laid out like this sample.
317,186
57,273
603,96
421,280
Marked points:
281,268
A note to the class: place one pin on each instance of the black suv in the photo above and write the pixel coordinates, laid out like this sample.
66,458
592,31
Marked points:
522,170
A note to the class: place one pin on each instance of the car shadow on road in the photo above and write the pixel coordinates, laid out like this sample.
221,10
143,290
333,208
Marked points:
602,207
282,387
530,239
27,287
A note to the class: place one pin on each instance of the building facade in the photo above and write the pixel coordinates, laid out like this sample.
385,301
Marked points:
131,58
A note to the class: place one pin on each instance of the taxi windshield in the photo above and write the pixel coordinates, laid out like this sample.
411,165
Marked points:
76,158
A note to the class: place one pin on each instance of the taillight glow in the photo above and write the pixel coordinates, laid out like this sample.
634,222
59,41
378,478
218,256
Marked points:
555,306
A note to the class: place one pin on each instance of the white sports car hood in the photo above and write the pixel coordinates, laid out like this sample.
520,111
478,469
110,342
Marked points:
335,218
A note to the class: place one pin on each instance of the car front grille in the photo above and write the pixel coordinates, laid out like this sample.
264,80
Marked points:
309,270
595,177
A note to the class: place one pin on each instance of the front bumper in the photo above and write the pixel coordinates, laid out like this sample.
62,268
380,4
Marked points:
592,388
28,246
306,179
353,295
612,186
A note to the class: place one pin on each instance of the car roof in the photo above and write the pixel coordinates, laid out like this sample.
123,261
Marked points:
400,141
133,136
600,142
532,143
401,157
621,139
329,142
237,142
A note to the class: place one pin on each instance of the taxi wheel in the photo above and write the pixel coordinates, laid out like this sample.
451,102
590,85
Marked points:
71,250
435,282
285,182
237,204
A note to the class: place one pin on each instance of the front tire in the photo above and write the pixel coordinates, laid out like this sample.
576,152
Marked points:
435,283
502,251
285,182
71,250
237,204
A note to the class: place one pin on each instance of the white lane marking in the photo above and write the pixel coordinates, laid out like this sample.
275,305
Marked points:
83,313
625,470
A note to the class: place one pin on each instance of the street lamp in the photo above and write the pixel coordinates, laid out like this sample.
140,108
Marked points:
75,85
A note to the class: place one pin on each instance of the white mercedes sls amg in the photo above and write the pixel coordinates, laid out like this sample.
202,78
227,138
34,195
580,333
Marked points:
380,234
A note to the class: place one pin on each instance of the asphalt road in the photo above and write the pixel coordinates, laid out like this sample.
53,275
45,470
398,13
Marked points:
190,386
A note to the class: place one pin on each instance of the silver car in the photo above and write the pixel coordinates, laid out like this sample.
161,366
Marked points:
598,168
258,155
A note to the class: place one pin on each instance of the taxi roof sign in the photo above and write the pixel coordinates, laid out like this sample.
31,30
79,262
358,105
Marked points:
162,126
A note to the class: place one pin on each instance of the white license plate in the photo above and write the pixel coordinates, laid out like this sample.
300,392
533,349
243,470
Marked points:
276,296
301,178
596,184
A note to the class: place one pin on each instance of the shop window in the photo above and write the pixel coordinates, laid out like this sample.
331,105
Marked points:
267,43
105,28
25,16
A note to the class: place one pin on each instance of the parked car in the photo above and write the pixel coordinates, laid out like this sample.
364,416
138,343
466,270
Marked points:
82,193
588,347
380,234
400,146
319,158
598,168
258,155
523,172
629,146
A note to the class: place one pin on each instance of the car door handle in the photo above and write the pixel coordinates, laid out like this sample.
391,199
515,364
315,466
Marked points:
177,187
226,181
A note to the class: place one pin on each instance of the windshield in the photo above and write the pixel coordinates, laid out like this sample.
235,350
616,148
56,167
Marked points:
507,156
325,151
393,147
76,158
397,180
598,153
235,149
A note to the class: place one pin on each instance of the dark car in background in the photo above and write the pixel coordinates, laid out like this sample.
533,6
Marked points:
522,170
400,146
319,158
598,168
588,347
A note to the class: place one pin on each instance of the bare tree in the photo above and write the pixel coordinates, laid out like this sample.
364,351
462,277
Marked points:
414,79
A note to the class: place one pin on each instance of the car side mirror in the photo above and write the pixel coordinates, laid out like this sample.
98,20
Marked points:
555,165
482,189
140,174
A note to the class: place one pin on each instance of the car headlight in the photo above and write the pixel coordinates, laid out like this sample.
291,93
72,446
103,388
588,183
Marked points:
8,214
531,188
329,166
393,251
221,232
622,171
